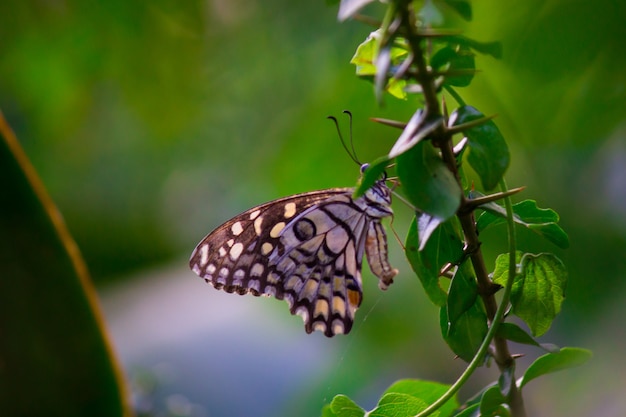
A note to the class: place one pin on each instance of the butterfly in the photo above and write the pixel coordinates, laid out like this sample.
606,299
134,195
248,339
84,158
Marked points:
306,249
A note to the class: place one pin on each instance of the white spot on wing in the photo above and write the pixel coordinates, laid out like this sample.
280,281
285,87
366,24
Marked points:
235,251
223,274
238,276
236,228
266,248
289,298
254,285
204,254
254,214
257,270
293,283
321,326
321,309
273,278
257,225
338,327
290,210
303,312
339,306
278,227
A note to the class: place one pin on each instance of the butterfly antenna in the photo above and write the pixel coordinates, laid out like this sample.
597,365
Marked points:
343,142
355,158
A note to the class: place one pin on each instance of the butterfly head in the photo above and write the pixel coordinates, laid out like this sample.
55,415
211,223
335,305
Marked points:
378,197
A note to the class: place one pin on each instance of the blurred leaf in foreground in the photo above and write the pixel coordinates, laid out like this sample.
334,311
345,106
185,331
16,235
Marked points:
54,357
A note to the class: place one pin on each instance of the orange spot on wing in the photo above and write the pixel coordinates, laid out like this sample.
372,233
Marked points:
354,298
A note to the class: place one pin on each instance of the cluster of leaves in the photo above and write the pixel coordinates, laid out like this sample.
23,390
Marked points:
406,57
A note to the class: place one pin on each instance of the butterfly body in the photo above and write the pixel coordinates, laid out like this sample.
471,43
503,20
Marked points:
306,249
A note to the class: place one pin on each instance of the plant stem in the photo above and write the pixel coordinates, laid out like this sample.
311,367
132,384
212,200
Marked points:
516,401
486,288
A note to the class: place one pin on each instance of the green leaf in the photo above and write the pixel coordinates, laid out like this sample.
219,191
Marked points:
526,213
424,266
501,410
462,7
427,182
489,48
468,332
552,232
567,357
396,87
372,174
462,295
514,333
398,405
538,290
367,62
342,406
463,325
475,399
471,411
408,397
488,151
444,246
429,15
455,58
442,57
363,58
426,391
493,403
327,411
54,355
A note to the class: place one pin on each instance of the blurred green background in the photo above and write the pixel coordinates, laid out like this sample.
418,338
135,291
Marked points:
151,123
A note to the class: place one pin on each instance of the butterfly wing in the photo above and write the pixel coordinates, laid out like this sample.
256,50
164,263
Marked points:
306,249
317,267
239,255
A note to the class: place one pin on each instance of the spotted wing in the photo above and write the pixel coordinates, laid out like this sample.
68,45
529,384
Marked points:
306,249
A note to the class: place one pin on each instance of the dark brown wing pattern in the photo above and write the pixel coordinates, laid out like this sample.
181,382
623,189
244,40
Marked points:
306,249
